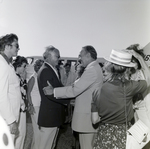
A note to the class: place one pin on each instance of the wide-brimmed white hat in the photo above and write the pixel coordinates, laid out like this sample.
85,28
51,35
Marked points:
121,57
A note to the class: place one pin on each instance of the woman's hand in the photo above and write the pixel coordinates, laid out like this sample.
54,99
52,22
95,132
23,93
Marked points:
31,109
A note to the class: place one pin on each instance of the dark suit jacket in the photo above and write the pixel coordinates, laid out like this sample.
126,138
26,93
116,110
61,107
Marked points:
52,111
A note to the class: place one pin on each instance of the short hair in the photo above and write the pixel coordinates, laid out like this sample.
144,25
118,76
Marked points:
19,61
7,40
91,50
49,49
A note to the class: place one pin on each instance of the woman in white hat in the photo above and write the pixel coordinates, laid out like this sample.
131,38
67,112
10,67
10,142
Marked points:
112,107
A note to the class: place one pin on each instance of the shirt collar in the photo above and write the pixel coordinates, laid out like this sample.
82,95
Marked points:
49,65
6,58
53,68
90,64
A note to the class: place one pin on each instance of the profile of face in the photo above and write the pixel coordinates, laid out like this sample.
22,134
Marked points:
53,58
21,70
83,57
14,48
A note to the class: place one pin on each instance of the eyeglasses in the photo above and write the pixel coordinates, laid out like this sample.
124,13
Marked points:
17,45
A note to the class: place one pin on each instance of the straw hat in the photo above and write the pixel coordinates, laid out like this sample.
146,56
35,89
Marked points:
121,57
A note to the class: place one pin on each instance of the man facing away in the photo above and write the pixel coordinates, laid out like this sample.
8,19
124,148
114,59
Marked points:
82,89
10,95
52,111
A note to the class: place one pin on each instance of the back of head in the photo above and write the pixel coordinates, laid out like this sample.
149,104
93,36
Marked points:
7,40
91,50
121,57
37,65
118,69
120,61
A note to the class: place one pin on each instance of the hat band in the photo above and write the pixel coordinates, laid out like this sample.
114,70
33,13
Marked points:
120,62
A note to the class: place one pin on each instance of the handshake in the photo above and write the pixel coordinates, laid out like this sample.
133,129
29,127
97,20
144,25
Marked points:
48,90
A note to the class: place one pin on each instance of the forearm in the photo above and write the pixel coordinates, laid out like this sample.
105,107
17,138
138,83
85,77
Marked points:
29,99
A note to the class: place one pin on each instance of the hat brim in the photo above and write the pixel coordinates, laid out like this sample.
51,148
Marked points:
118,63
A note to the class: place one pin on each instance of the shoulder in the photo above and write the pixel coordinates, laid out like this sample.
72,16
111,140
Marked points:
138,83
3,61
44,69
137,86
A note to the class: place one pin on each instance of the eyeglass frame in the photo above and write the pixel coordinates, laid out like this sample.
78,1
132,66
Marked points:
17,45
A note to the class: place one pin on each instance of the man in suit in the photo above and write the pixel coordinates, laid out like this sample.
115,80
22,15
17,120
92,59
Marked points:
52,111
10,95
82,89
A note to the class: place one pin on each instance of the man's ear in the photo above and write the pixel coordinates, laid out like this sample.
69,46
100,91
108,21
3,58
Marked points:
88,55
7,48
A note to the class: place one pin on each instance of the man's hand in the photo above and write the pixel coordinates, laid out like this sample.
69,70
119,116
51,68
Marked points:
14,128
48,90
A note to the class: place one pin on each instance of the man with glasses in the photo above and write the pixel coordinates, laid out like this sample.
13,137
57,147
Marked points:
10,95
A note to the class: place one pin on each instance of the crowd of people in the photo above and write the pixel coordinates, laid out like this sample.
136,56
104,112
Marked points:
107,98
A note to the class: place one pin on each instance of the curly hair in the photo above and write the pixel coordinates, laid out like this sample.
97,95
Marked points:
37,65
19,61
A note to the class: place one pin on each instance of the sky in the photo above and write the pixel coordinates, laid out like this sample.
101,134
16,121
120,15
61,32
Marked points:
69,25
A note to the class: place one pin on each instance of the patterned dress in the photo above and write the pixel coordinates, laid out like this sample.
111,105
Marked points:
110,136
23,88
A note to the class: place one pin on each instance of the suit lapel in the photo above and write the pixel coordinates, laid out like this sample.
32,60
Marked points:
54,73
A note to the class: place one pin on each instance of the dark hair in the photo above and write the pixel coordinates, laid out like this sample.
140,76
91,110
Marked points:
139,51
117,71
68,64
92,51
7,40
37,65
101,64
19,61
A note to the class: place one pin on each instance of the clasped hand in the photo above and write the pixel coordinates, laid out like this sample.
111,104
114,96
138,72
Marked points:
48,90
